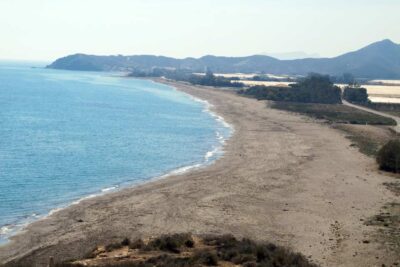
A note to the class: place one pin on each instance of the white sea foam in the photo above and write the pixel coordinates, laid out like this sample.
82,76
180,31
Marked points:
220,137
5,229
217,117
108,189
181,170
207,108
8,230
53,211
210,154
85,198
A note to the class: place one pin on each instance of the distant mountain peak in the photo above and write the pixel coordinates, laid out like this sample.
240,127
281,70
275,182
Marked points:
387,41
384,44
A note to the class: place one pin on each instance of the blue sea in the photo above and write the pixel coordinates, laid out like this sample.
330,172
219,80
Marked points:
66,136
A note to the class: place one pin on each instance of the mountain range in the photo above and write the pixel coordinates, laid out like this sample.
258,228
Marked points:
380,60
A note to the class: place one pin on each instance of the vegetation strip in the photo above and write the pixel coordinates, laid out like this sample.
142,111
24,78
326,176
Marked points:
187,250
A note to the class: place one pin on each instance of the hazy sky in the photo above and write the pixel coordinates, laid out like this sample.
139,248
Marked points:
47,29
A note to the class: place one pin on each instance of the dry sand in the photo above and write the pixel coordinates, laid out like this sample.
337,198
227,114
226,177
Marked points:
283,178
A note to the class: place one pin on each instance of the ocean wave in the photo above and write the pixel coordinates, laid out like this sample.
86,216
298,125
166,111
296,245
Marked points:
51,212
108,189
220,137
210,154
6,229
207,108
181,170
221,120
84,198
217,117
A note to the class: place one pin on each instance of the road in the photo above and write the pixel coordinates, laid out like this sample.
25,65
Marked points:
397,119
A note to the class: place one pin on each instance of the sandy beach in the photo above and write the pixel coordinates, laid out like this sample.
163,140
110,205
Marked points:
283,178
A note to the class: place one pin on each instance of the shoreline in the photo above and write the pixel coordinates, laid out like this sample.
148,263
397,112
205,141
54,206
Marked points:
10,230
283,178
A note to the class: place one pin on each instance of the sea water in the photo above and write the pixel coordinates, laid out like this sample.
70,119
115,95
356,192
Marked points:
66,136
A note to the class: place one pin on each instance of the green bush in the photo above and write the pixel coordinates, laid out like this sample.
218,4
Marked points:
356,95
211,80
313,89
389,156
171,243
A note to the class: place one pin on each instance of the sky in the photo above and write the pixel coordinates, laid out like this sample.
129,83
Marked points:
49,29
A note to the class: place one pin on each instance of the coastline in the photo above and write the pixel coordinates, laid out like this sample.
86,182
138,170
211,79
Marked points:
283,178
10,230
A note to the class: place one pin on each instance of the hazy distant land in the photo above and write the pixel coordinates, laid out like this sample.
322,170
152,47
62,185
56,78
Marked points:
364,63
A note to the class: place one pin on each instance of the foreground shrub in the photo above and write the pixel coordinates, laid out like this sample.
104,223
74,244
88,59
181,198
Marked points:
171,243
180,250
206,257
249,253
389,156
113,246
137,244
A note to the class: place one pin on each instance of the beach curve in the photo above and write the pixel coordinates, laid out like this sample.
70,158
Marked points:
283,178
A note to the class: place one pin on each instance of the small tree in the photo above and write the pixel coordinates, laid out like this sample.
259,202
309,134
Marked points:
356,95
389,156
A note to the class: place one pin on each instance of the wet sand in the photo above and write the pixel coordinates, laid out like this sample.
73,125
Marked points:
283,178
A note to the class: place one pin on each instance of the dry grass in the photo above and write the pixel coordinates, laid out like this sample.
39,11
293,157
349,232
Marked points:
387,226
334,113
367,138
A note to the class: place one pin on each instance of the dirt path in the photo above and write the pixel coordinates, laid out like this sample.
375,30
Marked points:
383,114
283,178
